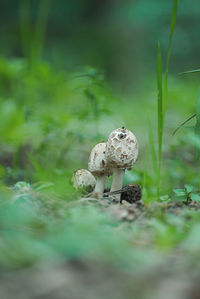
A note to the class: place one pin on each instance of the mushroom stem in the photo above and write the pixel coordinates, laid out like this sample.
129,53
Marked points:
117,183
100,185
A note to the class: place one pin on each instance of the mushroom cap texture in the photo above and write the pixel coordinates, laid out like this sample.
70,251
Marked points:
121,148
83,180
97,163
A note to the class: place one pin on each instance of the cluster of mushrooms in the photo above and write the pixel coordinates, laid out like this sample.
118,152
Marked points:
116,155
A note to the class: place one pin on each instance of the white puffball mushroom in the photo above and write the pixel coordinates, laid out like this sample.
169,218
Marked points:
121,153
97,165
83,181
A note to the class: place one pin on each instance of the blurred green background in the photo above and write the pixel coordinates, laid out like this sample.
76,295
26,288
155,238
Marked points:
70,73
119,36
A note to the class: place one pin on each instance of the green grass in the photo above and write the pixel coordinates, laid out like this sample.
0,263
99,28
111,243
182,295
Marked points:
49,121
162,89
43,143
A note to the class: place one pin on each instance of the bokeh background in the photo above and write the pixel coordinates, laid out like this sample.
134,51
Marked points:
70,73
119,37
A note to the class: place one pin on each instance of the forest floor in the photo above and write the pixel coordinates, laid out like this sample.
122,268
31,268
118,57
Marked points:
161,236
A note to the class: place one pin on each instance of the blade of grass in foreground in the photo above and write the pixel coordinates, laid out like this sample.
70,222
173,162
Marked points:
172,27
160,104
182,124
190,72
162,86
144,180
152,147
197,125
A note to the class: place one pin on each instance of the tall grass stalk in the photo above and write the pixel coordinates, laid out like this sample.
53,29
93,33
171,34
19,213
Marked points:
197,125
162,91
160,116
172,27
152,147
144,179
160,112
190,72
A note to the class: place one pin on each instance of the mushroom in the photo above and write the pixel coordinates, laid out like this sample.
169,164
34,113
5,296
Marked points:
121,153
83,181
97,165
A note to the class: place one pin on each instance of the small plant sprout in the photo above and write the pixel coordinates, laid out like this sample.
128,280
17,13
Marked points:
98,166
83,181
187,194
121,153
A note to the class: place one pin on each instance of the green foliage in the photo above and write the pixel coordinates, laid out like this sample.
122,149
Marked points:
160,106
187,194
50,118
162,90
172,27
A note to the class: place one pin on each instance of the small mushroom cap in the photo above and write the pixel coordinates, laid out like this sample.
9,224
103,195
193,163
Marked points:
83,180
121,148
97,163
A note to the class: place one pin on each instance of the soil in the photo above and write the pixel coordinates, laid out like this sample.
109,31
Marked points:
77,279
131,206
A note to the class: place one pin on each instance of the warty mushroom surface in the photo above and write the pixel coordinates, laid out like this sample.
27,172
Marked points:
121,153
98,166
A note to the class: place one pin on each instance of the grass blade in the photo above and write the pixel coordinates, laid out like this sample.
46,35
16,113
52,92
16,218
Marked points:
159,116
197,125
162,86
190,72
173,23
159,104
145,196
198,110
182,124
152,148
